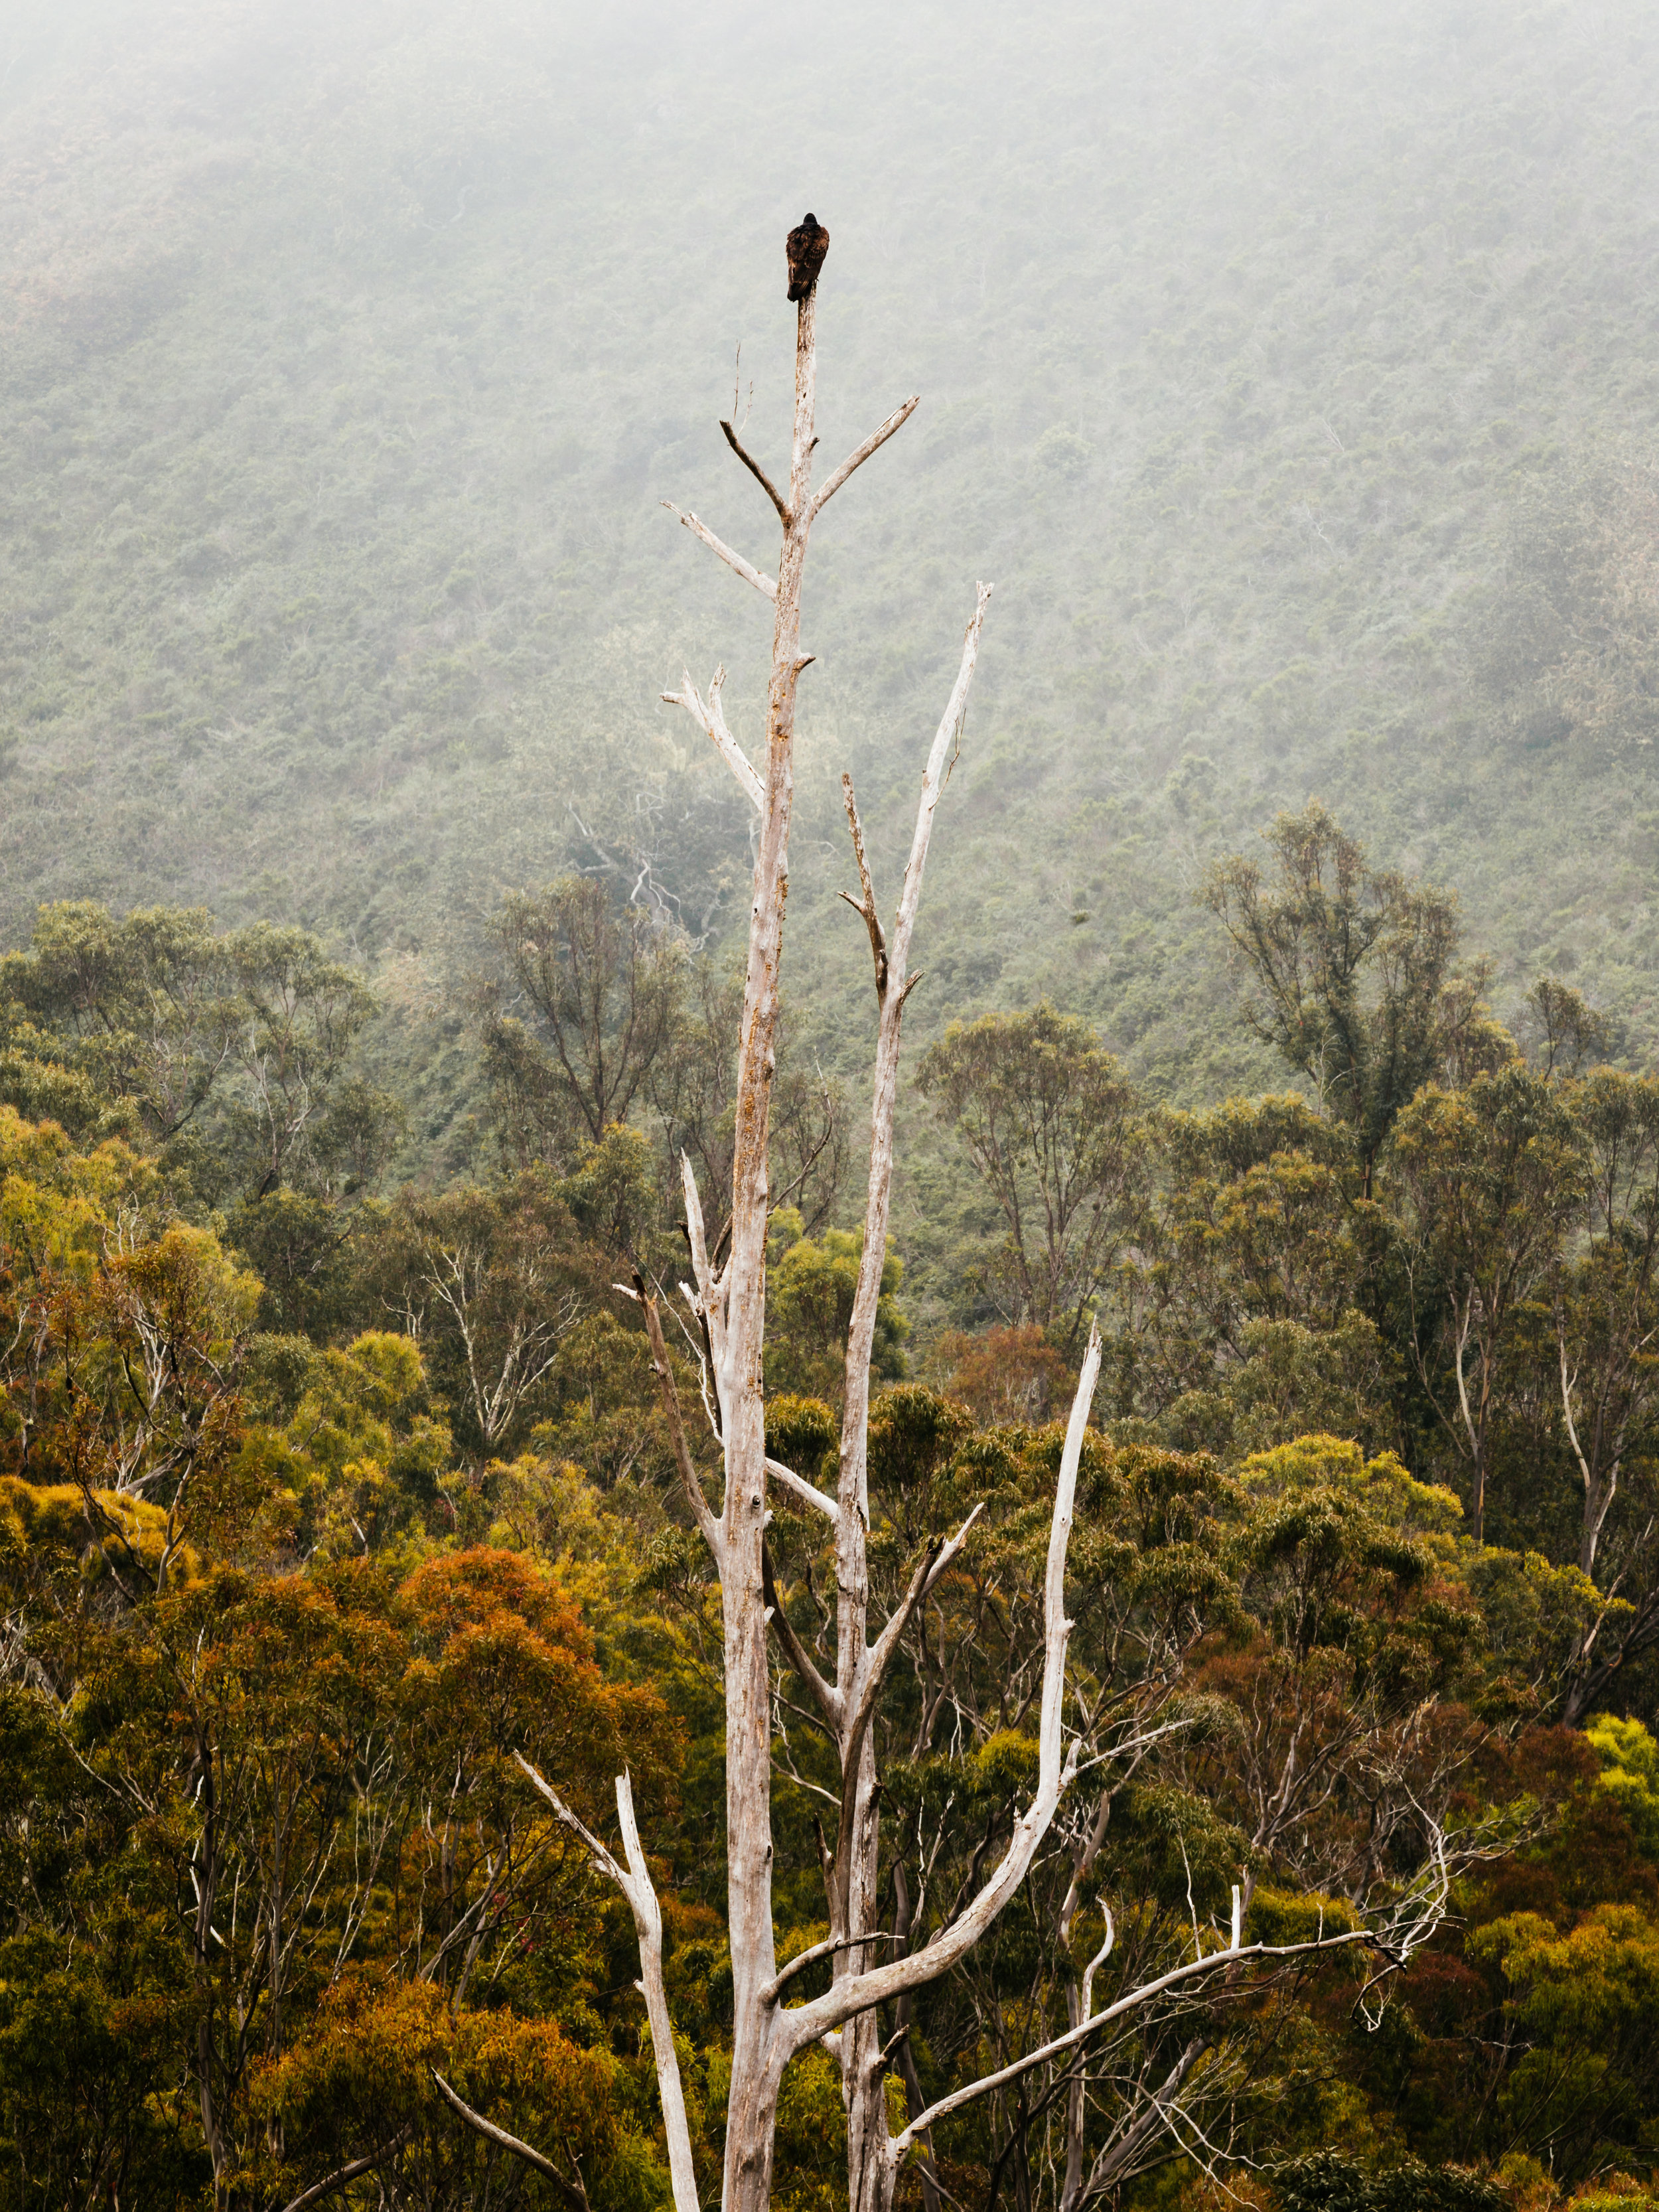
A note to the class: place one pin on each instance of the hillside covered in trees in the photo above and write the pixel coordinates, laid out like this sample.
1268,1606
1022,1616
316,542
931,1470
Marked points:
1282,1065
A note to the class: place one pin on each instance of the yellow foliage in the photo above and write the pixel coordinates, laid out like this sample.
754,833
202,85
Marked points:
44,1526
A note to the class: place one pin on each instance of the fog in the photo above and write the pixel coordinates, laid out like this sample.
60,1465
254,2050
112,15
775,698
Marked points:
349,351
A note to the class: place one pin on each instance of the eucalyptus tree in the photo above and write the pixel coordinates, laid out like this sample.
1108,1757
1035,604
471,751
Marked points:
1354,971
1492,1177
1046,1116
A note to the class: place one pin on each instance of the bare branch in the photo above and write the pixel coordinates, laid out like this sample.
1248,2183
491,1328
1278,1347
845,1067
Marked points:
635,1885
339,2177
858,1992
860,1336
759,475
746,569
922,1584
814,1953
491,2133
824,1694
805,1492
712,719
1212,1960
867,908
873,443
871,1676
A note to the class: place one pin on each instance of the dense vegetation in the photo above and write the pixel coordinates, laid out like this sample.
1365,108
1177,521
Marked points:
321,1506
372,943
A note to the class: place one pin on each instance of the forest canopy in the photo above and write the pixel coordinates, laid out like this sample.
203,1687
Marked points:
402,1091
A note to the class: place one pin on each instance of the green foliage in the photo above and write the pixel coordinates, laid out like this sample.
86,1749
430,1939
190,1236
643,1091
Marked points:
1328,2182
226,1053
810,1285
1048,1120
1630,1774
1354,971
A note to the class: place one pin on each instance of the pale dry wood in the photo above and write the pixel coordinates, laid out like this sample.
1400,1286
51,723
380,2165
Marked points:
635,1885
706,1295
805,1492
746,569
873,443
892,957
736,1302
865,904
1133,2001
1055,1766
856,1867
710,718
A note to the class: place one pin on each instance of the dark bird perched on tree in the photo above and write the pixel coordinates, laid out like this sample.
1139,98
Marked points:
808,243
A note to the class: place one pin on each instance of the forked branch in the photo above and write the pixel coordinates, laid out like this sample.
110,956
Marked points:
711,719
871,1676
635,1885
857,1993
865,904
1136,1999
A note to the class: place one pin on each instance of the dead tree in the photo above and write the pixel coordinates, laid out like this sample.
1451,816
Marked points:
727,1298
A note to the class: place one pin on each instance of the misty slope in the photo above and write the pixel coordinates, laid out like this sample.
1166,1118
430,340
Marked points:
346,358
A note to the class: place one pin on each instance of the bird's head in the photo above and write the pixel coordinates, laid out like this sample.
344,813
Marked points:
809,221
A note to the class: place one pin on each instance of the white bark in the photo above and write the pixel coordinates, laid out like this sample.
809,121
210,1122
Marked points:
1056,1763
746,569
711,718
837,477
635,1885
729,1301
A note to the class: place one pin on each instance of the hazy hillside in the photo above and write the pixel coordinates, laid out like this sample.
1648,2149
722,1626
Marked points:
1291,370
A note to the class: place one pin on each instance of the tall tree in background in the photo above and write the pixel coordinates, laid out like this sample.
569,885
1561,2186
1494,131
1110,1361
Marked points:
590,998
1606,1305
1051,1125
1493,1174
228,1050
1354,973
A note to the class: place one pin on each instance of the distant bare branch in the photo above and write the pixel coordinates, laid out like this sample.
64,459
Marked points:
491,2133
824,1694
867,908
338,2179
684,1464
